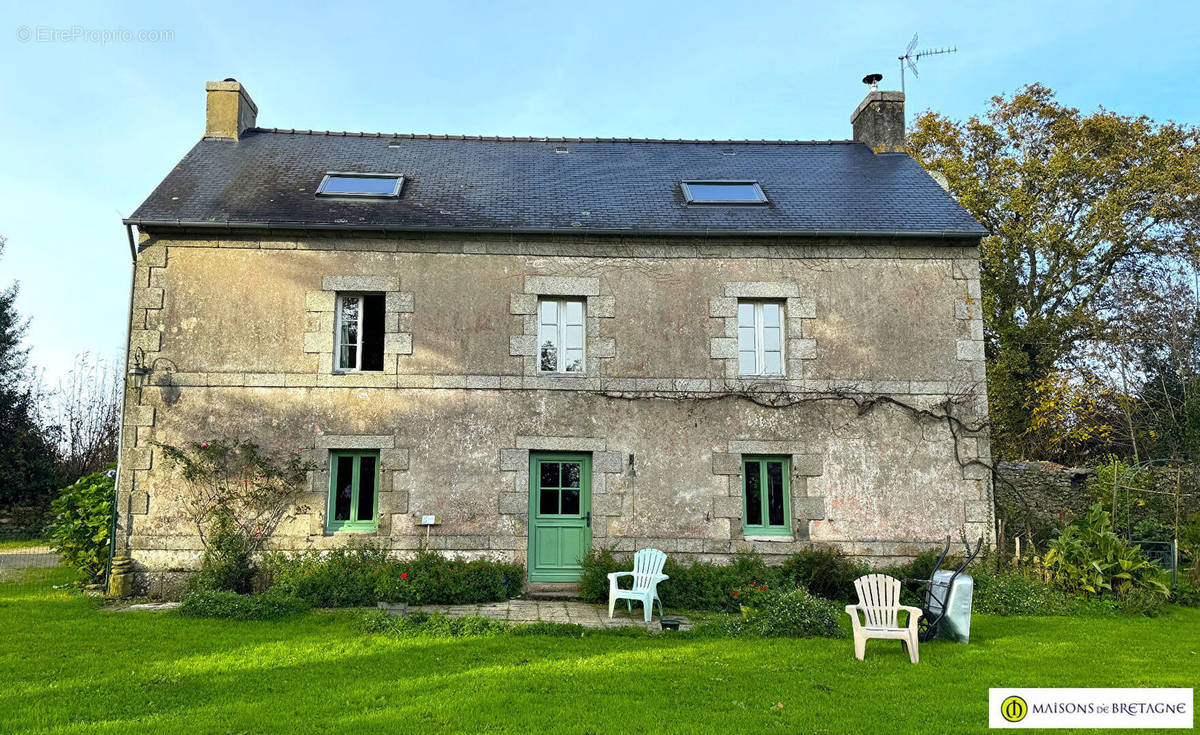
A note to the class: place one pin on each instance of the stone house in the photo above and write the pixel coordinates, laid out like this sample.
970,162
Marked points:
556,344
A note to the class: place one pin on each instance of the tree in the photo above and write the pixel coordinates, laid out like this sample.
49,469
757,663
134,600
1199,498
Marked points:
88,404
1083,212
27,449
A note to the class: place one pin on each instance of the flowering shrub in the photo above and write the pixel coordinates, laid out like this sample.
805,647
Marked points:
79,531
236,496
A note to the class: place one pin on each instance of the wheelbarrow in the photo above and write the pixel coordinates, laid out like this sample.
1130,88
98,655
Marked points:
947,604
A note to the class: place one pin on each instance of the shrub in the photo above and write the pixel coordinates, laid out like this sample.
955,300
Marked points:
1089,559
364,575
226,565
343,577
270,605
788,613
1015,593
696,586
431,578
824,572
79,532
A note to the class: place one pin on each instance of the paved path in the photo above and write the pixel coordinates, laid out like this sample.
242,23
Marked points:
513,611
27,557
529,611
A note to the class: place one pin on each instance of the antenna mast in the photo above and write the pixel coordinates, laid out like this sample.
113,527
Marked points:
910,59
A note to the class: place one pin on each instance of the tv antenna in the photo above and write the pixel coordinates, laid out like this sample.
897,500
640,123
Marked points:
910,59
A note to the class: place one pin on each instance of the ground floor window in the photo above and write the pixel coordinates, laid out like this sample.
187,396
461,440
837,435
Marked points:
767,500
353,483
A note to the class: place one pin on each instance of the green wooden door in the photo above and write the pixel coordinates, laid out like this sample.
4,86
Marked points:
560,515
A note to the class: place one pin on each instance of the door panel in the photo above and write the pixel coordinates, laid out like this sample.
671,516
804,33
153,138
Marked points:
560,503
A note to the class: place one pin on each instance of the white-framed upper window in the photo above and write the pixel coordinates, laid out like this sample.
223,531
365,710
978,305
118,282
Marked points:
760,338
561,335
358,332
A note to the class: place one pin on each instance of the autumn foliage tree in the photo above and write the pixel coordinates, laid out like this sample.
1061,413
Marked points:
1085,212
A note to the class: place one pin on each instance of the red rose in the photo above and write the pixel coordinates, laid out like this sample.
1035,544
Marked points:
403,575
735,594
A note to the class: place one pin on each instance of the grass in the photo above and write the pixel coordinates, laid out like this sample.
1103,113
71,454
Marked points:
68,666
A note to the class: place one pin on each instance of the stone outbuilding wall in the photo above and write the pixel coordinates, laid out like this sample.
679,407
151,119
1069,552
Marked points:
1032,498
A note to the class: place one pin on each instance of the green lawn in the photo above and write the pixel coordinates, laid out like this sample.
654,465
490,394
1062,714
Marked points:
20,543
68,667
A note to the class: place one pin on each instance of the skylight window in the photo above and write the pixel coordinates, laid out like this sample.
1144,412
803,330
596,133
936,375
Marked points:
723,192
376,186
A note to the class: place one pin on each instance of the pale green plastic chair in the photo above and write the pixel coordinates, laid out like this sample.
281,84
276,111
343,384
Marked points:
647,573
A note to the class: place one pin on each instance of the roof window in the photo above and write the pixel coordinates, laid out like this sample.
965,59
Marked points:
375,186
723,192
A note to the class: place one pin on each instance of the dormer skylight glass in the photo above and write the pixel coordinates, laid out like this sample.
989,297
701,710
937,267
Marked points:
723,192
375,186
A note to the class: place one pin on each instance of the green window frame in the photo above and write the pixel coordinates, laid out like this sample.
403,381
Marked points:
353,491
766,495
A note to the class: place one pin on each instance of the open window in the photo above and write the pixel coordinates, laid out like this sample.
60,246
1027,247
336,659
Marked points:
358,332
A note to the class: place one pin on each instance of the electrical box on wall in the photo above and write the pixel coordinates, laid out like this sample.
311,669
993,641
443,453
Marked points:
430,520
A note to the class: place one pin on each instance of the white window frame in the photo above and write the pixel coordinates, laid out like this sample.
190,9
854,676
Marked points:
337,333
760,359
560,335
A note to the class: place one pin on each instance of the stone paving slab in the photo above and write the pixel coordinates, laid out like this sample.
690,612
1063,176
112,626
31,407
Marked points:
150,606
531,611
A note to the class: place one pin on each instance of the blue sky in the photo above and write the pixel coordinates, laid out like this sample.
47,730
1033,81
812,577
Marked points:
88,127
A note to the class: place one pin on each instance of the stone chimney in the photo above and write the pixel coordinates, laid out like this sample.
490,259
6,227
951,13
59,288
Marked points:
230,110
879,119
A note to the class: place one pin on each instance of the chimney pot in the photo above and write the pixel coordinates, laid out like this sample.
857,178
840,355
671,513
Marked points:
230,111
879,119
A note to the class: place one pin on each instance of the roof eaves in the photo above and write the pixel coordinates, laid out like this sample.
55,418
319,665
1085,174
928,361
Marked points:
227,225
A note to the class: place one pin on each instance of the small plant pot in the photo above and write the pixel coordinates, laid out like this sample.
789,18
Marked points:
669,624
398,609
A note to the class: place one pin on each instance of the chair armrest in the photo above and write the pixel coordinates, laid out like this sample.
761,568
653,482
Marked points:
614,575
661,577
852,611
914,614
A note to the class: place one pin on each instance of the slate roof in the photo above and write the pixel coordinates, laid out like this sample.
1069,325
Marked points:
461,183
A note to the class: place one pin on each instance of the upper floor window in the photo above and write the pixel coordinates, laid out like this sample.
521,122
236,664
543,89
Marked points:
358,332
378,186
560,335
760,338
723,192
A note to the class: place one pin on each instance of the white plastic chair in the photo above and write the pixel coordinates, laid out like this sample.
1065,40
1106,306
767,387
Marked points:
647,573
879,602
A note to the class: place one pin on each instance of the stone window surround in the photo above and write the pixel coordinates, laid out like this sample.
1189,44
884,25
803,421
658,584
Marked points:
797,311
391,498
607,498
397,336
596,307
804,464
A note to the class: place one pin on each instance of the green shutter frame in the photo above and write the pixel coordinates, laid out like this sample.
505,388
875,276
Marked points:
761,526
352,524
